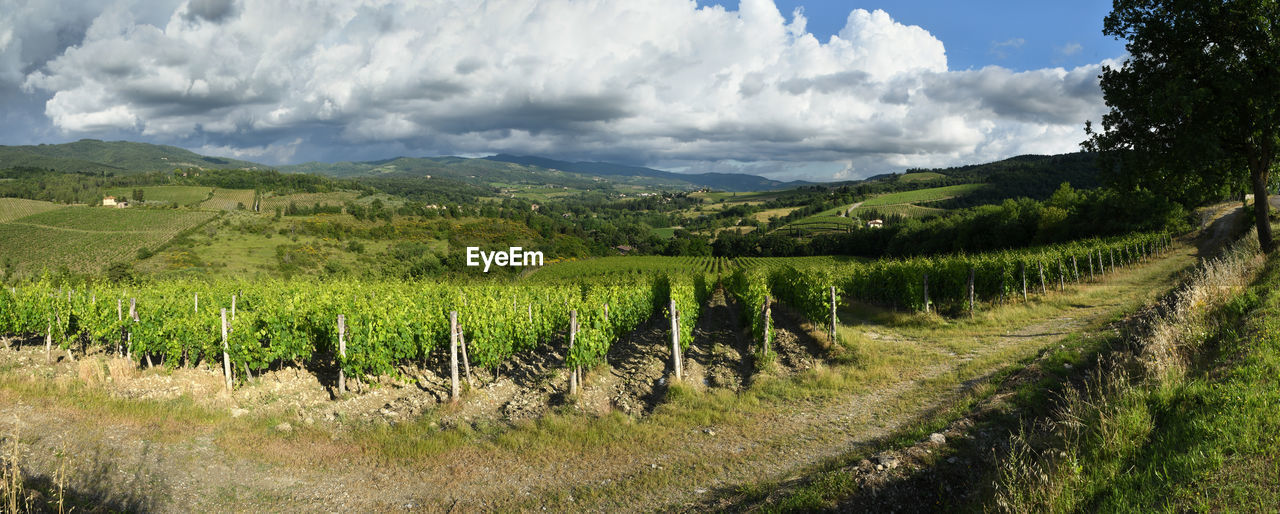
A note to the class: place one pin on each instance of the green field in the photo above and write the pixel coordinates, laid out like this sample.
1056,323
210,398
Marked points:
229,199
308,199
15,208
921,176
763,216
181,195
902,203
88,239
922,195
665,233
822,223
730,197
569,270
905,210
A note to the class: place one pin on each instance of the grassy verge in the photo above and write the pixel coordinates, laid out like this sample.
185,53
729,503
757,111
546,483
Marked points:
1191,428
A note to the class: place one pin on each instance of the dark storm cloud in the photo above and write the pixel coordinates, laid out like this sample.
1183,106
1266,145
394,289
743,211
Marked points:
573,114
1038,96
214,11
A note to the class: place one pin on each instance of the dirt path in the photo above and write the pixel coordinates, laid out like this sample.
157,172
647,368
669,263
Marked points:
1218,227
137,462
852,208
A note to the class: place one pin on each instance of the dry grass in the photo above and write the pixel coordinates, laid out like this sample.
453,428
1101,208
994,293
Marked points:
1165,348
15,494
12,485
1049,467
99,370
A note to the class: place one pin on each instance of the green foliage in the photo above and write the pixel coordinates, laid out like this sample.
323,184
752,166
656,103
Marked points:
120,272
751,288
1195,107
807,290
923,195
1068,215
690,294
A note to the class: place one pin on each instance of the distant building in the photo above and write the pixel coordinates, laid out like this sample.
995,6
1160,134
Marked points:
624,248
109,201
875,224
122,204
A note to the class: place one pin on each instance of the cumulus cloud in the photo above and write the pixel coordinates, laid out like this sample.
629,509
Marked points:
659,82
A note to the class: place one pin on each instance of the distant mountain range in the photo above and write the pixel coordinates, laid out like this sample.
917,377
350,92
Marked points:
124,157
722,181
118,157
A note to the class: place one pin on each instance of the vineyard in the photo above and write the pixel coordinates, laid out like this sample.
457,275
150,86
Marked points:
270,203
922,195
385,325
180,195
637,265
905,210
17,208
229,199
90,238
713,266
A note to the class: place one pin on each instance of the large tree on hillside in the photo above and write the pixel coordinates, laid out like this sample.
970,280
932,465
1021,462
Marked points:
1195,108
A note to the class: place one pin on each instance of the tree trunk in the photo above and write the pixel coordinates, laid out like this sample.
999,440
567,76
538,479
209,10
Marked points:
1258,170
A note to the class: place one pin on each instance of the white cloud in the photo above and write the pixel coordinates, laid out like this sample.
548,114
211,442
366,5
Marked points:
273,153
1001,49
654,82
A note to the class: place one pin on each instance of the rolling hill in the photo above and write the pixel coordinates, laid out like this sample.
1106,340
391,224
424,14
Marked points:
111,157
722,181
125,158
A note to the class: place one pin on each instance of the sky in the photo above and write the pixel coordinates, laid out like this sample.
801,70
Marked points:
788,89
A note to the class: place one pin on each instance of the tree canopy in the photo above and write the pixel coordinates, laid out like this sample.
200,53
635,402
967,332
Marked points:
1195,108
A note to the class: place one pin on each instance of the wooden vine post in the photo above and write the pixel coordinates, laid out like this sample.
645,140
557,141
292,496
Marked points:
573,336
1062,281
971,296
676,365
342,355
1022,269
48,343
926,293
1040,266
1113,258
453,354
120,319
247,373
1075,270
833,314
768,321
133,314
1091,278
226,359
466,361
679,347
